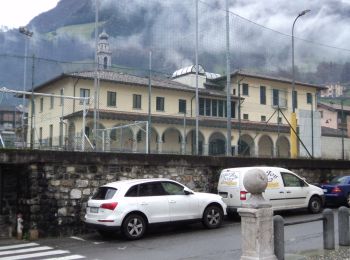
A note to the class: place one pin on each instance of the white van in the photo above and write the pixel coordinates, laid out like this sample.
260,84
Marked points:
285,190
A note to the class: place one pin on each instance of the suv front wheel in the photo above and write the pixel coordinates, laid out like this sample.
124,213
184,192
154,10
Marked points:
212,217
134,227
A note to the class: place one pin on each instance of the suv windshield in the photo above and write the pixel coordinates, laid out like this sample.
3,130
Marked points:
338,180
104,193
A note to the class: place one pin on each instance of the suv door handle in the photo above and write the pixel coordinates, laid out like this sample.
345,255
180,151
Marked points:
289,191
281,191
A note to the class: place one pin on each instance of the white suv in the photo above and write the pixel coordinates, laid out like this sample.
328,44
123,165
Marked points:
133,205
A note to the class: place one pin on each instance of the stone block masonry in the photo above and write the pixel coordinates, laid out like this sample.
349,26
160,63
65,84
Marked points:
51,189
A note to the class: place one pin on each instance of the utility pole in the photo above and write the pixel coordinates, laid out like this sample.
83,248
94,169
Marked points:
228,82
32,106
149,132
197,68
342,128
95,75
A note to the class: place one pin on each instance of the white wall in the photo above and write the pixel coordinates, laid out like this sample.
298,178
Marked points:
332,147
305,133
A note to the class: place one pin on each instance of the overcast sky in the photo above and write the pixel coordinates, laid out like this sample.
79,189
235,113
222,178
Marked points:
15,13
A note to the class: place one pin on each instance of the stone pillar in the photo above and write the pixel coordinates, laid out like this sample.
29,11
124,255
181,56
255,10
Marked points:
205,149
183,147
159,146
256,219
256,150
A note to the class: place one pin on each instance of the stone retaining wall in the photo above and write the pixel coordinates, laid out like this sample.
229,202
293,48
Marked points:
52,188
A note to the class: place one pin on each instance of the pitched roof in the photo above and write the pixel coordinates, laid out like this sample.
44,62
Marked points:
266,77
122,78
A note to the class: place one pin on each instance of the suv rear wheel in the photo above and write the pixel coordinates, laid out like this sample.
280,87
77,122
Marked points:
134,227
315,205
212,216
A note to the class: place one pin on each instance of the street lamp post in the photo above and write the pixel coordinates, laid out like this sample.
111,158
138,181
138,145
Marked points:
28,34
293,138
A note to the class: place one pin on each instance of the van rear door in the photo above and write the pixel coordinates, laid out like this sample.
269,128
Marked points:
229,187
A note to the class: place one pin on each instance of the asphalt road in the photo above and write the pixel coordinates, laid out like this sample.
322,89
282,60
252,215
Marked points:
191,242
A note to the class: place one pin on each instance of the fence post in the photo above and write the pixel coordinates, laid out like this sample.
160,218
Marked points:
343,226
278,227
328,229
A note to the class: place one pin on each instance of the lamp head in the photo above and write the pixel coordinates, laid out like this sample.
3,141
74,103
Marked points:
304,12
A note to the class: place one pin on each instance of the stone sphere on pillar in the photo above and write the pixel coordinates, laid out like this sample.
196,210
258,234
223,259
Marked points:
255,181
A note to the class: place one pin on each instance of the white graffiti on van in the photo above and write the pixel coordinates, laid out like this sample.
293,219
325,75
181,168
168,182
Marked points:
229,178
272,180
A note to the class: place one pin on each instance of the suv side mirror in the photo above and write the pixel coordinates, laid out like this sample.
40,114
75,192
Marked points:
187,192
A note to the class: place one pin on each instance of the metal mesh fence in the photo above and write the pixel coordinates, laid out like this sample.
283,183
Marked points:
170,37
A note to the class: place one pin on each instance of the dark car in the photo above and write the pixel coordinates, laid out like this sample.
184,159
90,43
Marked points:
337,191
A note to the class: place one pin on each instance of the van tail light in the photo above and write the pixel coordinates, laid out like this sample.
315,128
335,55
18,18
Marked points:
336,189
110,205
243,195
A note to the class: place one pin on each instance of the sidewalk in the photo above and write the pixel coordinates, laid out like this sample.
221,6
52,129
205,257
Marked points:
340,253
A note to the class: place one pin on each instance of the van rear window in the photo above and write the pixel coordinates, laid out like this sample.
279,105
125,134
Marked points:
104,193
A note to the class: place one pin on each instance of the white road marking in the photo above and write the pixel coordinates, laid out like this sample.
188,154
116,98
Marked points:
18,246
20,257
70,257
78,238
25,250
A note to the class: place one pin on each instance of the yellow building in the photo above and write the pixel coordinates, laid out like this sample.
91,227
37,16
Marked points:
123,99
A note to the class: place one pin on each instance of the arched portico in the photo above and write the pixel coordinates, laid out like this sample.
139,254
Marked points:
282,147
217,144
246,146
265,146
191,143
171,141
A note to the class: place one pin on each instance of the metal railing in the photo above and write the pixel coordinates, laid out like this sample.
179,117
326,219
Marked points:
328,230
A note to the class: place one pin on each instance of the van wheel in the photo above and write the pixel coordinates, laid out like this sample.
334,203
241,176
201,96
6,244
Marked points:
134,227
212,217
315,205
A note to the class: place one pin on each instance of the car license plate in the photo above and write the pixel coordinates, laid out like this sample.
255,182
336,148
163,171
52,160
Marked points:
325,190
93,210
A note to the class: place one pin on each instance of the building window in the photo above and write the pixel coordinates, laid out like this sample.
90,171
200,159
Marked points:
214,106
52,101
61,93
84,93
160,104
321,114
275,97
136,101
263,95
234,92
51,135
233,109
263,118
295,99
221,108
245,117
279,120
201,106
111,99
41,104
207,107
182,106
245,89
309,98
